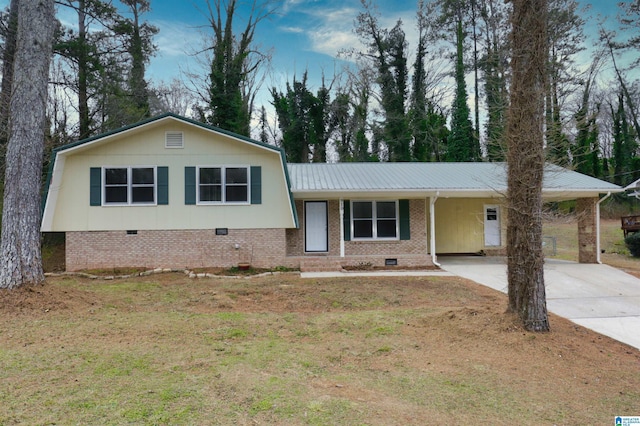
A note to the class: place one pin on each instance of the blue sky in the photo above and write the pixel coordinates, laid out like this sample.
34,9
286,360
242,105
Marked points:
301,35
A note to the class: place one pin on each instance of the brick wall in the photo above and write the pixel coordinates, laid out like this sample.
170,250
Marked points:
586,215
413,252
175,249
262,248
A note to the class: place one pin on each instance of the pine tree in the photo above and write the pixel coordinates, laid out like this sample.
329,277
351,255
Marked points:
10,39
89,50
392,78
526,291
137,37
462,145
494,13
565,38
21,260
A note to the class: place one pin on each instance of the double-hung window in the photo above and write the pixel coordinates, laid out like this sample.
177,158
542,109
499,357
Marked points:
375,220
223,185
129,185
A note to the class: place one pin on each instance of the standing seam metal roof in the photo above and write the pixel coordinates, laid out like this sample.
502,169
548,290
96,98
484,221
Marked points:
364,177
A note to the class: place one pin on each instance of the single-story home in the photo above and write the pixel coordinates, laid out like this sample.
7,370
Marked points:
170,192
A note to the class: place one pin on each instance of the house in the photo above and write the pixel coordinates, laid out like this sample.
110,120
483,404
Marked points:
170,192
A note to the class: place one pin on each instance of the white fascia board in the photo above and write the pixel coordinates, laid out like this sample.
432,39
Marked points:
396,194
52,195
547,194
572,194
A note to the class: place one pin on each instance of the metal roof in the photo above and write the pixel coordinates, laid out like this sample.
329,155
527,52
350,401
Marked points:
450,179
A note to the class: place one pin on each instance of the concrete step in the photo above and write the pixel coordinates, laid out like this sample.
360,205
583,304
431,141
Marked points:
319,264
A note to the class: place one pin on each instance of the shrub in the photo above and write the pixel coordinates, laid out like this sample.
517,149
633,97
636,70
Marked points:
632,241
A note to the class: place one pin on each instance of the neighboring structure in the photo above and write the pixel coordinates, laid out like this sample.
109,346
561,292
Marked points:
170,192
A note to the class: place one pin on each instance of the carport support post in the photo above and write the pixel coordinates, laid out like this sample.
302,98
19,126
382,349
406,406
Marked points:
586,213
432,228
598,251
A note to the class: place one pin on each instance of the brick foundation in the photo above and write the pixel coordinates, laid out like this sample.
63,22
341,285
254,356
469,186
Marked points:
262,248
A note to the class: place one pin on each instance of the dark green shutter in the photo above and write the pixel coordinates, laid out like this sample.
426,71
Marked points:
95,186
189,185
163,185
346,220
256,185
405,220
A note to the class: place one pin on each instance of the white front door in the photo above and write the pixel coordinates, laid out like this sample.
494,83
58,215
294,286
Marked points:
315,226
492,227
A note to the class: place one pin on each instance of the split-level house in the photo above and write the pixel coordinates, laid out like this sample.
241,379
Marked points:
170,192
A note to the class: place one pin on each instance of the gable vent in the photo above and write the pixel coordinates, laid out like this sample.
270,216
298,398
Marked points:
174,140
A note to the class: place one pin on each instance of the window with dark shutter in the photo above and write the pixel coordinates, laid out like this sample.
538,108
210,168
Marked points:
223,185
124,185
374,220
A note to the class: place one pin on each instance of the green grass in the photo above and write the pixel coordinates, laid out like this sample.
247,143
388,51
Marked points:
565,232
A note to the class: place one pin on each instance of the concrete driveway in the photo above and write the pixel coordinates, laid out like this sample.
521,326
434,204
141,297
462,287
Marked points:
598,297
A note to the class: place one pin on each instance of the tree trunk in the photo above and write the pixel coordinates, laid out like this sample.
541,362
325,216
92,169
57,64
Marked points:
83,73
7,71
21,261
525,158
476,80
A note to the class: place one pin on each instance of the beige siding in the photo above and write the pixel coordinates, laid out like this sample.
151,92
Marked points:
145,147
460,224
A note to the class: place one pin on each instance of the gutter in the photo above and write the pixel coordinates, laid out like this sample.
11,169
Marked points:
598,259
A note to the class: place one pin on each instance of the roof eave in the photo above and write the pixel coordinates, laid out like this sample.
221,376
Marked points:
394,193
85,143
547,194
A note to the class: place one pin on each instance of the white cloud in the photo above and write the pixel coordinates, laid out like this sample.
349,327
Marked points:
177,44
334,28
177,39
331,30
331,41
294,30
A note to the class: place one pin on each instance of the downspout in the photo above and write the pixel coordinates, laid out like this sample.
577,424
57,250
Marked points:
432,226
598,226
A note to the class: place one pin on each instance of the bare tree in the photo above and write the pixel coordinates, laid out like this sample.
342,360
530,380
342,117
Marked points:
21,261
172,97
525,157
